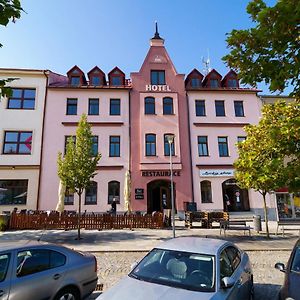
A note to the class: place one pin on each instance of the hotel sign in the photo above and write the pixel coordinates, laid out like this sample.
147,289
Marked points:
157,88
216,173
159,173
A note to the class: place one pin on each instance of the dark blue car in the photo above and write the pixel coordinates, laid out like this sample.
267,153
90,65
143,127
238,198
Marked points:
290,288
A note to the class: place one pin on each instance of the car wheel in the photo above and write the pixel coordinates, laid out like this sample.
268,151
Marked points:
67,294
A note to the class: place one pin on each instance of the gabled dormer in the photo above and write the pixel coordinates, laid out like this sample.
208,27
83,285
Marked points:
230,80
76,77
116,77
194,80
96,77
212,80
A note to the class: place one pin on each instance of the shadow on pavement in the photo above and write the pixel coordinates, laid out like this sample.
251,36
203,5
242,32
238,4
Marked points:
266,291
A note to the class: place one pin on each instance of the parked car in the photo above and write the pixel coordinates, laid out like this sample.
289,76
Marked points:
31,270
188,268
290,288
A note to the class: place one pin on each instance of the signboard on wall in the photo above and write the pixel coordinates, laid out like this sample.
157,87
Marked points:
139,194
217,173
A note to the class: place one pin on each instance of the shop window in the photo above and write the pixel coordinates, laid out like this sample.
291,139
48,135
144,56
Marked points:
149,106
22,99
13,192
150,145
91,194
206,196
114,192
168,106
288,206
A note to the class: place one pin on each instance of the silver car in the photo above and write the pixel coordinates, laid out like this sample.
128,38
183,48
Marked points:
36,271
188,268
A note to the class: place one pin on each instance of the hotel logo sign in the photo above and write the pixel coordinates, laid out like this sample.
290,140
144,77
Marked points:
216,173
157,88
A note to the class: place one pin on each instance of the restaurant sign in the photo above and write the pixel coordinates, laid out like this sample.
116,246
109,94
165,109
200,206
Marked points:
217,173
159,173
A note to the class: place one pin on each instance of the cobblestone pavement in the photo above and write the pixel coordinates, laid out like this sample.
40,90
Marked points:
113,266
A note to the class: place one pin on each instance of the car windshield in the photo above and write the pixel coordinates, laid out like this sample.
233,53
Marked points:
191,271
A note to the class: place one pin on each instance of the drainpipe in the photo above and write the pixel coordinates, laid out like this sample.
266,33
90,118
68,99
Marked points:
46,73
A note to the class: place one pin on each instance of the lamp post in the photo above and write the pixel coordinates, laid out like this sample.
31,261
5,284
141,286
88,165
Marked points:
170,138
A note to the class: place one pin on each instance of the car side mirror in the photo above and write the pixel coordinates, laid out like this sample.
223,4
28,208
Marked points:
133,266
227,282
280,267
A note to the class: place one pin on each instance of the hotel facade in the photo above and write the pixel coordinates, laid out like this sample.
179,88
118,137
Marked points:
131,121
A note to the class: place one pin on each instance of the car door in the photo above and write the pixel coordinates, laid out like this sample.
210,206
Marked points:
5,272
34,276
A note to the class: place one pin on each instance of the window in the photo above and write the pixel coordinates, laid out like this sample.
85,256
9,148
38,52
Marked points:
225,265
214,83
35,261
69,197
71,106
114,146
195,82
116,80
115,107
239,108
67,140
75,80
95,145
96,80
150,145
205,187
167,145
223,146
17,142
91,194
4,263
168,106
114,192
202,146
232,83
13,191
241,139
93,107
158,77
220,108
149,106
234,256
200,108
22,99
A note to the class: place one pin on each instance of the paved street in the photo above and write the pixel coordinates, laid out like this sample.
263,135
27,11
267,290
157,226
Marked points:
114,265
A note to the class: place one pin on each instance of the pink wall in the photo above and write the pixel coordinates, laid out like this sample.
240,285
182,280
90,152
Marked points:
159,124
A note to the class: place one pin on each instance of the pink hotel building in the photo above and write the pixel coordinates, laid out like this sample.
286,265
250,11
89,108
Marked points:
130,122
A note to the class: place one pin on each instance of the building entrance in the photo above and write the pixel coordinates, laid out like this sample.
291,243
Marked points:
159,195
234,198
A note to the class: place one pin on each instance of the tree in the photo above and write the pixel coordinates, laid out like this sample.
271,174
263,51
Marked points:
79,165
270,51
269,157
10,10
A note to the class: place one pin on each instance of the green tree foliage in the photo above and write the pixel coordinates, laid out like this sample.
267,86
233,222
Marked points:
10,10
268,52
269,157
78,166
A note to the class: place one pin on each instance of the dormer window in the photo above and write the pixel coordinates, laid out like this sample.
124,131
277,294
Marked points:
212,80
116,77
96,77
195,82
230,80
75,80
96,80
232,83
214,83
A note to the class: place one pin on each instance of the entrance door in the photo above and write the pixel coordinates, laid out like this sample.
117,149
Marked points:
234,198
158,195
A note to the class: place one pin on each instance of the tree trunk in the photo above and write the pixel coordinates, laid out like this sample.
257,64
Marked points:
266,215
79,216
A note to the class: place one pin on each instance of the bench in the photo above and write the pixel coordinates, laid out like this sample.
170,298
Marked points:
287,223
196,216
234,225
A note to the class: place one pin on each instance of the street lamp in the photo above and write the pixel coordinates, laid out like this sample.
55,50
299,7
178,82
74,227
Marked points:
170,139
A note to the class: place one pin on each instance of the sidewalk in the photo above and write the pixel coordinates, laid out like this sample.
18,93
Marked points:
145,239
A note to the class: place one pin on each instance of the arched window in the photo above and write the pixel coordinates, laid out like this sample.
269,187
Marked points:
205,187
149,106
114,191
91,194
150,144
168,106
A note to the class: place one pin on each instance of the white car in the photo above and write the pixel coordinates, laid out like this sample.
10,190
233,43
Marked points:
188,268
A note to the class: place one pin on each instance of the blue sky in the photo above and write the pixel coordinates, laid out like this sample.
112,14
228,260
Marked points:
58,34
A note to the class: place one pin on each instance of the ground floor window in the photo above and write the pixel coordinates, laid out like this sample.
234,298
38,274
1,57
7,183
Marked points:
91,194
205,186
69,197
288,205
13,192
114,192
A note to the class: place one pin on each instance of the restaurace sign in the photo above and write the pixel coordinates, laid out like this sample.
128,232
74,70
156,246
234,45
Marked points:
157,88
159,173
